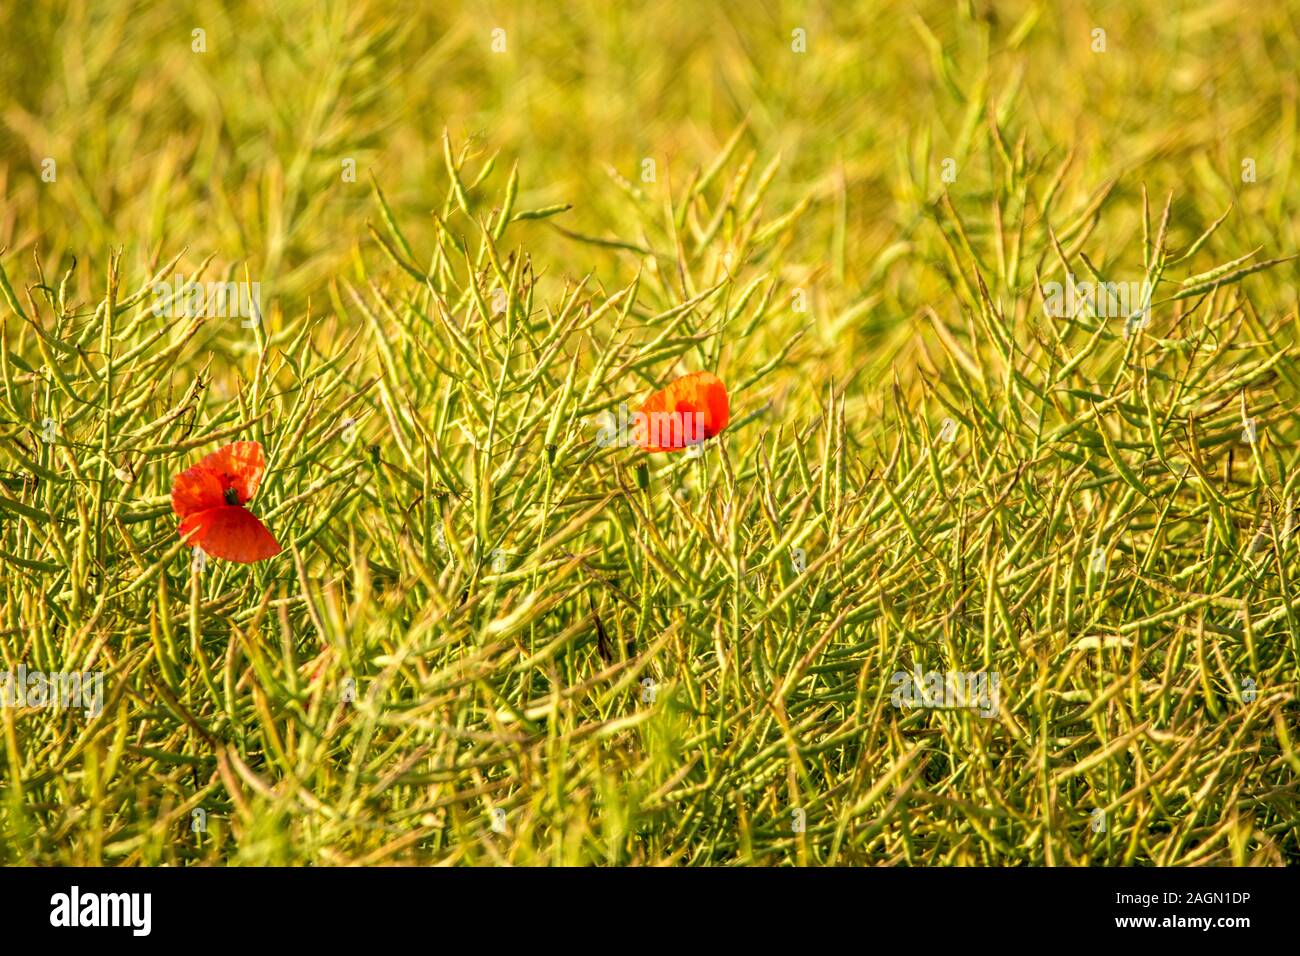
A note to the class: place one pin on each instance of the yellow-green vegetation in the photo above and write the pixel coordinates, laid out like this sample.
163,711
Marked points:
489,639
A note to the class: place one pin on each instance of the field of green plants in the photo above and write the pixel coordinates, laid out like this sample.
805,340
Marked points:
469,232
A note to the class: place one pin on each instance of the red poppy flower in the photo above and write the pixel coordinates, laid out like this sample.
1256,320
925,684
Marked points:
210,497
685,413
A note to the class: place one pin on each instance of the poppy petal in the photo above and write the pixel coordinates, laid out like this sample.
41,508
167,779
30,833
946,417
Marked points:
230,532
669,412
239,466
195,490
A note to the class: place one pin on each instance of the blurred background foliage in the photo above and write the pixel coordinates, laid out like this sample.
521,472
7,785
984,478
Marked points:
237,151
